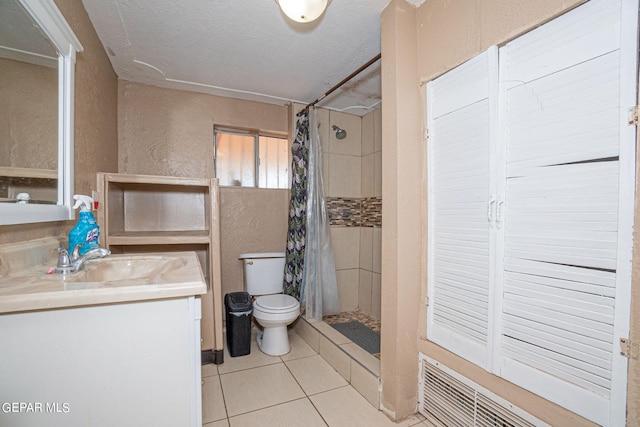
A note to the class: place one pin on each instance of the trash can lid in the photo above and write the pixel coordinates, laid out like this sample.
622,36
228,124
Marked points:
238,301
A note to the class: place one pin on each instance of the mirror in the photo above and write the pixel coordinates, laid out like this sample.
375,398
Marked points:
37,58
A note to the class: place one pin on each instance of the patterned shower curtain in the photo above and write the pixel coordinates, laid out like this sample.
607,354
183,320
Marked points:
310,274
296,238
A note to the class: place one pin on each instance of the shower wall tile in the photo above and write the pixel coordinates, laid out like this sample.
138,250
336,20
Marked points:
366,248
371,212
324,130
345,242
377,250
368,134
338,359
331,333
365,291
377,172
354,211
344,211
377,129
344,175
348,289
308,333
366,384
363,358
352,144
368,175
376,292
326,173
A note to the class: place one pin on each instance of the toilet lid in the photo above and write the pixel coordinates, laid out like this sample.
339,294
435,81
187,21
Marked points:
277,302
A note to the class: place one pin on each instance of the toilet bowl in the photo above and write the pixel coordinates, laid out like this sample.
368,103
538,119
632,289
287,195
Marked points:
272,310
274,313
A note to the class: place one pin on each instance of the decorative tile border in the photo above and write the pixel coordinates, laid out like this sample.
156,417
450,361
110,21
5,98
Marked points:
354,211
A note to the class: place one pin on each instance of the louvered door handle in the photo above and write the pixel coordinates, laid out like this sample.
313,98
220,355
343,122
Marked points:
491,213
500,214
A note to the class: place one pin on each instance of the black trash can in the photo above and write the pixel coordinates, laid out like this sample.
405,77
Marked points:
238,313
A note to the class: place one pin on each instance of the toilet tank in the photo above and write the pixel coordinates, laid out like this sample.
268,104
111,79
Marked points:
263,272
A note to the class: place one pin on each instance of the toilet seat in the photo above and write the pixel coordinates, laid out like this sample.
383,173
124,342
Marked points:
278,303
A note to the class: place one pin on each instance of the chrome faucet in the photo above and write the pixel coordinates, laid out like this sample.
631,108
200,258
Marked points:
68,264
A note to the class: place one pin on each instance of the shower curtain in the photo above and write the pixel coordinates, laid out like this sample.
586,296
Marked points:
293,270
309,235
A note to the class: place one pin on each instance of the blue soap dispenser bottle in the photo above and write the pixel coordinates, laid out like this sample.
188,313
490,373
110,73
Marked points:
86,230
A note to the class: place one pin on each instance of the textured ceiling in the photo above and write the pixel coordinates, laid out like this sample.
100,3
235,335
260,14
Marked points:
245,48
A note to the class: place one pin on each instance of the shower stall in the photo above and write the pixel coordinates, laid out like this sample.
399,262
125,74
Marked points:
352,174
349,163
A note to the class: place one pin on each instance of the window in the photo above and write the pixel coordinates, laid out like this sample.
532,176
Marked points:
251,159
531,172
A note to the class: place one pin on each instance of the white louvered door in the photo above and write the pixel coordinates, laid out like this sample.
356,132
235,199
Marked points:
567,226
531,188
460,194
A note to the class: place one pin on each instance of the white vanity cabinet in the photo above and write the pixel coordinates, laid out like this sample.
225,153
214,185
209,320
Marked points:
144,213
123,364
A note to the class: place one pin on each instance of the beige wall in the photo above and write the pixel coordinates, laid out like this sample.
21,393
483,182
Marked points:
95,132
170,132
401,211
447,32
251,220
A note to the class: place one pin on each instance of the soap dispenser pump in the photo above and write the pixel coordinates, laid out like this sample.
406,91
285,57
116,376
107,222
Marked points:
86,231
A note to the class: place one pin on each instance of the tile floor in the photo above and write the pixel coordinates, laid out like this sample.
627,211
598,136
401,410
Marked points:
297,389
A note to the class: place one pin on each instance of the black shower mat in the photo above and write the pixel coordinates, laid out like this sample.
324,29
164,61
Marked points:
360,334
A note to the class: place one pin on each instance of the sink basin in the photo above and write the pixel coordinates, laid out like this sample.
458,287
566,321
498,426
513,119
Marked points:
127,268
113,279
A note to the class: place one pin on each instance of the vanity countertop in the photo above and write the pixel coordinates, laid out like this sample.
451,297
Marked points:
113,279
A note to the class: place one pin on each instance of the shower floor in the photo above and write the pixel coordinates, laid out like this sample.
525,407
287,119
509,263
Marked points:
350,316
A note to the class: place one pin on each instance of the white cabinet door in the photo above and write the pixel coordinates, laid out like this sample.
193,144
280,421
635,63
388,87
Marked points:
531,175
461,207
566,273
133,364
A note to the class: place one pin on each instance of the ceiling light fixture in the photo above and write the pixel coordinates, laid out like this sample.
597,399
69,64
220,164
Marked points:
303,10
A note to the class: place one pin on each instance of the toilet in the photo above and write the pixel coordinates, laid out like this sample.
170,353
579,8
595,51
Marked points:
274,311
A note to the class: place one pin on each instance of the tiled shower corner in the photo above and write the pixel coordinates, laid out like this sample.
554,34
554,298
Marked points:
354,364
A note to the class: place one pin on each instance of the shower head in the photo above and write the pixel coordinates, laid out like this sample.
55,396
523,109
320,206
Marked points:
340,133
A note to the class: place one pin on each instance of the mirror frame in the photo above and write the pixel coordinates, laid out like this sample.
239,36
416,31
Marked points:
46,14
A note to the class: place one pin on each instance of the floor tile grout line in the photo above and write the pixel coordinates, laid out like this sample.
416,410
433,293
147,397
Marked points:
224,399
253,367
272,363
270,406
317,410
267,407
303,390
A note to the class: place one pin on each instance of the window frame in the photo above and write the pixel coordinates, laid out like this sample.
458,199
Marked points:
256,135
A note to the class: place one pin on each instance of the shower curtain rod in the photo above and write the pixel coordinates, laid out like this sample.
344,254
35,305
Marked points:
349,77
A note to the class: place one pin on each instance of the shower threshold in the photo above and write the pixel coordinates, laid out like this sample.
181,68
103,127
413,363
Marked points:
360,368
